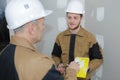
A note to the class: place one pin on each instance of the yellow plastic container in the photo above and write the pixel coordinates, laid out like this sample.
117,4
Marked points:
83,62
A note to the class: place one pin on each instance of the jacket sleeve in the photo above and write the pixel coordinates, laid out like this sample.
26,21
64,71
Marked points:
95,55
70,74
53,74
56,53
96,58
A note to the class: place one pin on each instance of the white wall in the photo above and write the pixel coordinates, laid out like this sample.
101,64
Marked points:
106,22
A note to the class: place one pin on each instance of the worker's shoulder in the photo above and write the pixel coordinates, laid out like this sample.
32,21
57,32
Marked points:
88,33
63,33
32,55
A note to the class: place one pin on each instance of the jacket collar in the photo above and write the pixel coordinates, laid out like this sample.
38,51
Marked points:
79,33
21,42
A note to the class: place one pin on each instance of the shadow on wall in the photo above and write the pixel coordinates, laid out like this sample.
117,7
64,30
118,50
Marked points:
4,32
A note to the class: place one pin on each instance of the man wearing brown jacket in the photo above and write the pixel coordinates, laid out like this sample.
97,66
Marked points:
76,42
20,60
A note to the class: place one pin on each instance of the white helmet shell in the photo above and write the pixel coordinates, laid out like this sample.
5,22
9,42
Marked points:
19,12
75,6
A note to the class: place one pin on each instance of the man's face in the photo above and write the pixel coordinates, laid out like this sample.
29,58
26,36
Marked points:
73,20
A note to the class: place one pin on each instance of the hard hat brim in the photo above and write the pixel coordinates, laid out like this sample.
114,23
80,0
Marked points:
47,12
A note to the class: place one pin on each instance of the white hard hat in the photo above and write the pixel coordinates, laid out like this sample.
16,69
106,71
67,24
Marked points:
75,6
20,12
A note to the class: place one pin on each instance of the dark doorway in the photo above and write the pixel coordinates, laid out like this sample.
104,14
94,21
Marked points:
4,33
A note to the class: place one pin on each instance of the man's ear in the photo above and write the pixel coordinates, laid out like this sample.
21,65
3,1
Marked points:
31,28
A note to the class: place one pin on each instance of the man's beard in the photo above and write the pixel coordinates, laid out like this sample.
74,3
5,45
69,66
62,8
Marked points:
75,27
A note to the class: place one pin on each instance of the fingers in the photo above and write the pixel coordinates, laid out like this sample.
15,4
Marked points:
61,68
74,66
60,65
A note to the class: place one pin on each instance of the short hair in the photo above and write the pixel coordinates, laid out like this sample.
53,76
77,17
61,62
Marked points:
23,26
80,14
19,28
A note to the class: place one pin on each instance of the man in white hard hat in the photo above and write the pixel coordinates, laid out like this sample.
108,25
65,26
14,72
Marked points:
76,42
20,60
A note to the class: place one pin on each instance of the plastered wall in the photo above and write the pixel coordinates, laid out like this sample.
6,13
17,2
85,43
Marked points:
102,17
